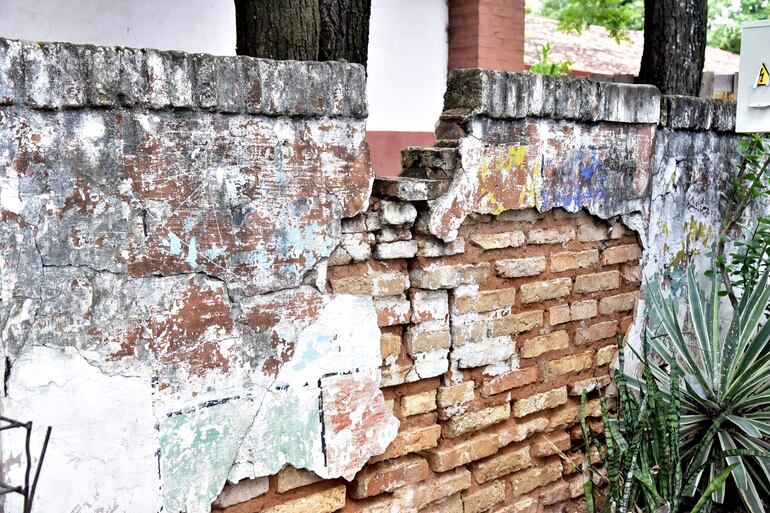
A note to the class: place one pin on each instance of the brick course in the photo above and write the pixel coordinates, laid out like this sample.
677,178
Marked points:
545,343
525,313
545,290
501,464
390,475
452,455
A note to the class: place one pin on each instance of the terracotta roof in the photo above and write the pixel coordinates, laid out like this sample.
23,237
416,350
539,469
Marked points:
595,52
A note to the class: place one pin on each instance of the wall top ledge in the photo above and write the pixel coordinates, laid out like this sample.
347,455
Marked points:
507,95
62,75
689,113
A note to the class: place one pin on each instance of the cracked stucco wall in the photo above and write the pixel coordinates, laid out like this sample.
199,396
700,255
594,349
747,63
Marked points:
660,162
166,222
167,225
696,159
538,141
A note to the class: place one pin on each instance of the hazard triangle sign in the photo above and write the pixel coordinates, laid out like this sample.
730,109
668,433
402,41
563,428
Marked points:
763,78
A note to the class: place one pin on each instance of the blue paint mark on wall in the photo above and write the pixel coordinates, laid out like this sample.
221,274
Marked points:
577,181
189,224
192,254
174,244
313,351
214,253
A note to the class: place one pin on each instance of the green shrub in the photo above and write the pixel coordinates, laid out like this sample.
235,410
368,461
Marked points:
750,188
546,67
725,387
643,467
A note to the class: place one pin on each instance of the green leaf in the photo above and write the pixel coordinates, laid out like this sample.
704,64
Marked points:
745,425
712,487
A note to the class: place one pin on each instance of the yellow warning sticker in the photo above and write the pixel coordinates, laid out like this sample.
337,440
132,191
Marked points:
763,78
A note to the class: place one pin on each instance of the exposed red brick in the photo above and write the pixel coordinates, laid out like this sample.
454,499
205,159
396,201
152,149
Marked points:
450,455
547,444
509,380
389,475
487,34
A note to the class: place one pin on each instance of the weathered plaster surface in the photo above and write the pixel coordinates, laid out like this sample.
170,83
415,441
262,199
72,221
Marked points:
547,164
330,372
162,300
662,163
536,141
164,193
693,172
165,228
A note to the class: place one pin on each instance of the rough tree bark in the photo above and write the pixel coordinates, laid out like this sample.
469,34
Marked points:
344,30
674,45
277,29
303,29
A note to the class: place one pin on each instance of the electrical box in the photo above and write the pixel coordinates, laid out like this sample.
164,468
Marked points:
753,114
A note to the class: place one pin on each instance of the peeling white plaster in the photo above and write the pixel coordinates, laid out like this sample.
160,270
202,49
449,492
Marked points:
101,456
288,429
9,193
583,170
130,446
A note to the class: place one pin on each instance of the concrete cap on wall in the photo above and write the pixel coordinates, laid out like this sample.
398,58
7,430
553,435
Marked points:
506,95
63,75
690,113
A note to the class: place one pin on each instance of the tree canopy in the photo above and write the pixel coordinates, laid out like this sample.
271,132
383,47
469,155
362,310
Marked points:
726,17
619,16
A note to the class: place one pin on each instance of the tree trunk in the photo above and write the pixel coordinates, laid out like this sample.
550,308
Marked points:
278,29
345,30
674,45
309,30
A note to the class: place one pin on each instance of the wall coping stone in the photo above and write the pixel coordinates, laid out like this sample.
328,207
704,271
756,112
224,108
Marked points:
508,95
690,113
62,75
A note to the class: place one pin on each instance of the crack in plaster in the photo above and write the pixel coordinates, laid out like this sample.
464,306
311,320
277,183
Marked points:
139,287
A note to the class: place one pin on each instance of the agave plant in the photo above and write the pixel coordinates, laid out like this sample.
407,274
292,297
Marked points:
725,385
642,466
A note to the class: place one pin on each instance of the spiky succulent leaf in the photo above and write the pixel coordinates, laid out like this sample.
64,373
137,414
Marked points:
725,385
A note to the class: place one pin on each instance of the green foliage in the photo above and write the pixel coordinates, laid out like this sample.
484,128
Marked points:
726,16
620,16
750,258
617,16
643,468
546,67
725,385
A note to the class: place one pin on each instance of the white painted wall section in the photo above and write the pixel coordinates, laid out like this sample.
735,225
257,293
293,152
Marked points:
407,66
206,26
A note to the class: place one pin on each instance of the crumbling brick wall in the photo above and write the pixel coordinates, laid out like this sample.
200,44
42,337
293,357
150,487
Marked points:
487,343
495,317
202,280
